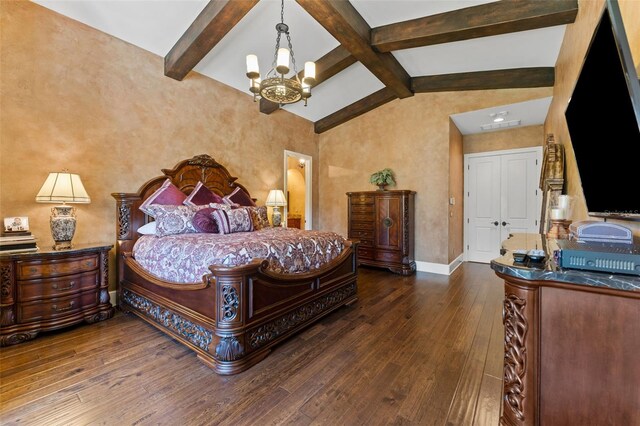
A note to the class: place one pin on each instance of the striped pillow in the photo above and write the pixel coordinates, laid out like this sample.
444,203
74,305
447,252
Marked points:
233,220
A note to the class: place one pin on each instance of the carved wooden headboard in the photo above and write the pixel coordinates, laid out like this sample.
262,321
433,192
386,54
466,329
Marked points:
185,175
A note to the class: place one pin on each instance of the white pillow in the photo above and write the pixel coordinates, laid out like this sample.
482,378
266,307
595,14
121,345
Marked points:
148,229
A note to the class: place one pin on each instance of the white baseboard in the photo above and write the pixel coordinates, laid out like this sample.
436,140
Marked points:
456,262
112,298
439,268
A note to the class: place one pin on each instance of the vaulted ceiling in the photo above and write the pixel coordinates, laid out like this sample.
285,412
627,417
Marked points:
368,52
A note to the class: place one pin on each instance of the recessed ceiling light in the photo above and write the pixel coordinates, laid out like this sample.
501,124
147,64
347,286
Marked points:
500,125
498,117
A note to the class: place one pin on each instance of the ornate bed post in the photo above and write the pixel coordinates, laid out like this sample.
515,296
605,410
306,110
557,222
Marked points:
232,295
126,224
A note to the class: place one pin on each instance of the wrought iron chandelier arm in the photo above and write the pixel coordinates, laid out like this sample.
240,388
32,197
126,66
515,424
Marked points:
293,58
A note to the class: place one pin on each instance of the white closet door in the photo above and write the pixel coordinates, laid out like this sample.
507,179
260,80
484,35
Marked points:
484,208
519,201
502,198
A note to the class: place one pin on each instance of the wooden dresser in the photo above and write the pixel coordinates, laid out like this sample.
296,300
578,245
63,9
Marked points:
383,222
51,289
571,342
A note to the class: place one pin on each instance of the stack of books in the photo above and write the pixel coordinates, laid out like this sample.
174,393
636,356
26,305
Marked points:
17,242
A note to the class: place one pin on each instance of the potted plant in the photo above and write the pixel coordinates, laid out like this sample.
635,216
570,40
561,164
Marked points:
382,178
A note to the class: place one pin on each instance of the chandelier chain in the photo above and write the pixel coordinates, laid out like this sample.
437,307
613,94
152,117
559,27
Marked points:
282,12
275,54
293,58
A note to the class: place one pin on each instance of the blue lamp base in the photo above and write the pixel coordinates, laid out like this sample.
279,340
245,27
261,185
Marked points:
276,218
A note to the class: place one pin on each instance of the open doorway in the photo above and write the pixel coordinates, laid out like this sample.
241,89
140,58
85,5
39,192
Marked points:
297,189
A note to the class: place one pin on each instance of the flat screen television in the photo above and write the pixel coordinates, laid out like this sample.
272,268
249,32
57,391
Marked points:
603,117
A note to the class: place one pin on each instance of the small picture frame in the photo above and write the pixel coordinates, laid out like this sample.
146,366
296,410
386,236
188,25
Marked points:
16,224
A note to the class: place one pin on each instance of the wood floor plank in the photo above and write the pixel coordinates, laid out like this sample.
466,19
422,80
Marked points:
487,411
436,402
462,409
413,350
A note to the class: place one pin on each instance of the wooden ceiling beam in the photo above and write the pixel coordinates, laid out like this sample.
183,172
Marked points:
356,109
331,64
481,80
489,19
214,22
346,25
326,67
485,80
267,107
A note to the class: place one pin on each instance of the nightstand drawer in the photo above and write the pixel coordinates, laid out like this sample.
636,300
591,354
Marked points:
51,268
53,308
56,287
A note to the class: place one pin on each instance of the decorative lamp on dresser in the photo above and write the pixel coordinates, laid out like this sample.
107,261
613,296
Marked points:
52,289
383,222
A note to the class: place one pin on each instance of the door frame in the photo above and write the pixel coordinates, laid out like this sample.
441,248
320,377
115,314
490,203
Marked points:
465,233
308,193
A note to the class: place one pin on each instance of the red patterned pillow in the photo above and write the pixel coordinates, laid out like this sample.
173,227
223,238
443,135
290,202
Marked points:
238,196
202,195
203,221
167,195
259,217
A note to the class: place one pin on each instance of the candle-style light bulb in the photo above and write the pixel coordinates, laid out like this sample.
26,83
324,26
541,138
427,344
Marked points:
253,71
282,63
309,73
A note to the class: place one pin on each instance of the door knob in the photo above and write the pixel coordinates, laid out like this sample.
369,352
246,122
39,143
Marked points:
496,223
505,223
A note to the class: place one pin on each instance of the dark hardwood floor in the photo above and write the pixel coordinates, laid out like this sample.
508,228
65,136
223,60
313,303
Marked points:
425,349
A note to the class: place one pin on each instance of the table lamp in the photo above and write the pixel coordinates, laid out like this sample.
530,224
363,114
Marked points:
63,187
276,200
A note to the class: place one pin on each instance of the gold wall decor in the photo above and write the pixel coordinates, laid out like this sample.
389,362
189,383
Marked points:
551,178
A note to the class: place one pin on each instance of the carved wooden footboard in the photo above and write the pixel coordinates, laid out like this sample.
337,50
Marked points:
233,321
236,315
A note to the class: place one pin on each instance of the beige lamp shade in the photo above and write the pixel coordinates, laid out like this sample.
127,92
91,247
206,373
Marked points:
276,198
62,187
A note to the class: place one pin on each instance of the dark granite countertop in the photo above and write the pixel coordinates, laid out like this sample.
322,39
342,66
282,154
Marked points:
548,270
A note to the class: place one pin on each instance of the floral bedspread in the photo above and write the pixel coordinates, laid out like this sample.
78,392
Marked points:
185,258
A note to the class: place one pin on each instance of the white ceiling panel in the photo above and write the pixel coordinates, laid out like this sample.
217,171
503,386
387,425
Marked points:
345,88
152,25
534,48
383,12
256,34
156,25
530,113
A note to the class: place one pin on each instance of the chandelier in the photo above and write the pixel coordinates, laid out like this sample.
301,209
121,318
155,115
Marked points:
276,87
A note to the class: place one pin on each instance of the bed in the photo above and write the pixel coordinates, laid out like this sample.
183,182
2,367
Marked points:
234,315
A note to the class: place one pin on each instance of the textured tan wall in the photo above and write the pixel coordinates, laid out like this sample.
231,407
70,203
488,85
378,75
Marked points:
572,53
523,137
456,191
410,136
76,98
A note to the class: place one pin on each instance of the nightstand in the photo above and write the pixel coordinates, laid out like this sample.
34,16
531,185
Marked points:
52,289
